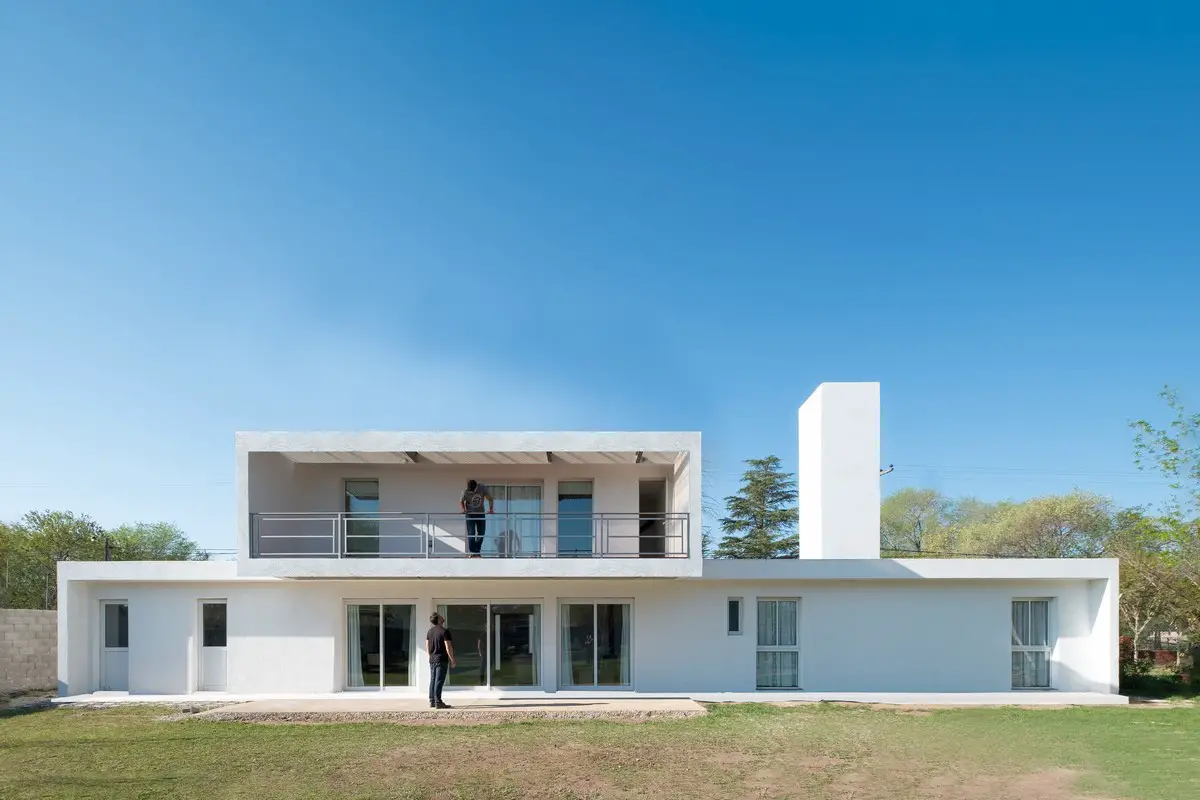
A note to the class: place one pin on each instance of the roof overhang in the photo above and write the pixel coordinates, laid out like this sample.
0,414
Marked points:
500,457
487,448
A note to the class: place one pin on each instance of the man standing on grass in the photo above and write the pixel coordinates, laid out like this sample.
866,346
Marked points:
471,503
439,645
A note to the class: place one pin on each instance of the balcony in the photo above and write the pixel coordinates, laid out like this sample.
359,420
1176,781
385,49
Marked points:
443,535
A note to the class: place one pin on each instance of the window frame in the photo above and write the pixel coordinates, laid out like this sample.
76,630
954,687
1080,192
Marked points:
564,685
559,515
213,601
346,493
416,647
1048,648
490,601
761,648
104,604
741,616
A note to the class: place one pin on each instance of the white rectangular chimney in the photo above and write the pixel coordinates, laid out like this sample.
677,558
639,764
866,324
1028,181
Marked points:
838,479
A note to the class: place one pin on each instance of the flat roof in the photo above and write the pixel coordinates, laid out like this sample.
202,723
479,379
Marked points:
473,447
790,569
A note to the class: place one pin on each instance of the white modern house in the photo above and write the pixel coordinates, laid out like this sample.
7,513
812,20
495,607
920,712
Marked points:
591,580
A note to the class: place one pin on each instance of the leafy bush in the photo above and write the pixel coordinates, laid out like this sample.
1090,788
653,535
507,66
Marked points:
1136,669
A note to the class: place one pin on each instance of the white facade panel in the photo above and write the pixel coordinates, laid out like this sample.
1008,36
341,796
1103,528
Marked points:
286,481
890,636
838,619
838,472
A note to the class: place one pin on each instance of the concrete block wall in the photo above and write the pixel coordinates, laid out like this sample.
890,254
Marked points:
28,649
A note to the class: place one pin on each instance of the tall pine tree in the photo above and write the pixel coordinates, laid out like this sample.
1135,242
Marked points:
762,515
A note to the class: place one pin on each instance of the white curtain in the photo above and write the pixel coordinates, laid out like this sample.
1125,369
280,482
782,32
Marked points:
535,643
354,647
626,661
524,503
777,667
1030,629
777,623
564,651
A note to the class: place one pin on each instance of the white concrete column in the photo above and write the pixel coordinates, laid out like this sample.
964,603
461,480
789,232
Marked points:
838,480
548,672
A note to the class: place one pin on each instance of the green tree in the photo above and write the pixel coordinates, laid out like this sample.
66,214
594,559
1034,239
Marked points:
1150,586
153,541
1173,450
912,521
35,546
31,549
762,516
1074,525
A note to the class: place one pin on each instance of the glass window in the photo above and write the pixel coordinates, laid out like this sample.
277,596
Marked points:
494,644
396,660
595,645
362,528
734,614
116,625
778,657
1031,645
214,624
515,530
362,496
575,520
380,645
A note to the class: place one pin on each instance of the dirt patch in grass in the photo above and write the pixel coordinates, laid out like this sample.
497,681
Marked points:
669,767
24,699
1057,784
463,716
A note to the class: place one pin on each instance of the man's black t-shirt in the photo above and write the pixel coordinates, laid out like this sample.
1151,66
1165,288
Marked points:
437,638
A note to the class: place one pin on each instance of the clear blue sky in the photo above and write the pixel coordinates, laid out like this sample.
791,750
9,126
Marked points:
220,216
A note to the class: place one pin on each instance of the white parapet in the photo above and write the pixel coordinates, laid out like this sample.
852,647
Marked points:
838,480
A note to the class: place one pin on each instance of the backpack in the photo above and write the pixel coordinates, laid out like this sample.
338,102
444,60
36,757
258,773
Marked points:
474,501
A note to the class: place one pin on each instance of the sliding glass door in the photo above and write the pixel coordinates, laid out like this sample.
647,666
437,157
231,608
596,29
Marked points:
361,503
595,645
575,521
380,645
516,529
495,644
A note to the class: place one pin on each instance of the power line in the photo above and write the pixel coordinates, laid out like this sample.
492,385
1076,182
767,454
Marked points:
1026,470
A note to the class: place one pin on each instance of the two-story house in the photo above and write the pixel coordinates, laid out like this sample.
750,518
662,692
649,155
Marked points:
589,577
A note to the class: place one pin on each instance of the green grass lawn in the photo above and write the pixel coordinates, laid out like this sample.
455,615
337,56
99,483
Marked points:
820,751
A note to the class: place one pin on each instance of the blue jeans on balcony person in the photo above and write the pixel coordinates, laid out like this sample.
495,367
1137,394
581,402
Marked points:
476,525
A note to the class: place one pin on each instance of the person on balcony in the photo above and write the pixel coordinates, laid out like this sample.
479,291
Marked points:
471,503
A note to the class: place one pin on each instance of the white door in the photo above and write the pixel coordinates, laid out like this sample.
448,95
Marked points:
214,659
114,646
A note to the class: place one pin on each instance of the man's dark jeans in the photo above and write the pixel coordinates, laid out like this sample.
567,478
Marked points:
475,530
437,679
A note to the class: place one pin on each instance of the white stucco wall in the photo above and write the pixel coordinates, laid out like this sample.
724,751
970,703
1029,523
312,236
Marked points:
436,489
837,477
276,484
889,635
266,479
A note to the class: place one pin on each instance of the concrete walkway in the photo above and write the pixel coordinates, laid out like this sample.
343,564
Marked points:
478,710
460,697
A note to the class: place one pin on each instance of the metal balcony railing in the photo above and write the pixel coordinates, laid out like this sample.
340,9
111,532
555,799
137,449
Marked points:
444,535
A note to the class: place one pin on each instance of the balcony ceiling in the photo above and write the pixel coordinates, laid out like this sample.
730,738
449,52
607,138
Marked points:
491,458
